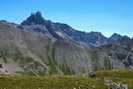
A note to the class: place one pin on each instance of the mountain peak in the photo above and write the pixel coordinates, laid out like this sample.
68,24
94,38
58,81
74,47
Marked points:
115,36
34,19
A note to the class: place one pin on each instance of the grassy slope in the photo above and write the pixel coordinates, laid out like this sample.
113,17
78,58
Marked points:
126,76
54,82
64,82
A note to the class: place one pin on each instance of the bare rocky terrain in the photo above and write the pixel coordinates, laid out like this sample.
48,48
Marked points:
45,47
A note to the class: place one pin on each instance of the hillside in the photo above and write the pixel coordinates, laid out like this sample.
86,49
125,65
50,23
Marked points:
68,82
46,48
25,51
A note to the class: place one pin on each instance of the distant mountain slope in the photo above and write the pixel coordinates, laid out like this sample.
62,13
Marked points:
119,54
45,47
60,31
37,23
115,36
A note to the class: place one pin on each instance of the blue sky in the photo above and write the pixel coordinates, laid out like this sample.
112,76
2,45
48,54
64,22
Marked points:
106,16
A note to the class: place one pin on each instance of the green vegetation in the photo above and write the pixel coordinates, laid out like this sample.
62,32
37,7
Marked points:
4,54
107,64
125,76
66,81
50,82
54,66
66,70
116,73
94,57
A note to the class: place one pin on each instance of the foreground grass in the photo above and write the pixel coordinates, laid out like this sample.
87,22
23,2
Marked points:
54,82
65,82
125,76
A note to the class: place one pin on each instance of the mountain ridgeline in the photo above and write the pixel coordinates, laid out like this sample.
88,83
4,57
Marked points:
45,47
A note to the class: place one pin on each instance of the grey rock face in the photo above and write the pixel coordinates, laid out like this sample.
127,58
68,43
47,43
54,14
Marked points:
115,36
35,18
45,47
26,51
62,31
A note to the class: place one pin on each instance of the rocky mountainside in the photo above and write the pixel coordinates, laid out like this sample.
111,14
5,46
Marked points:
115,36
38,24
45,47
26,51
